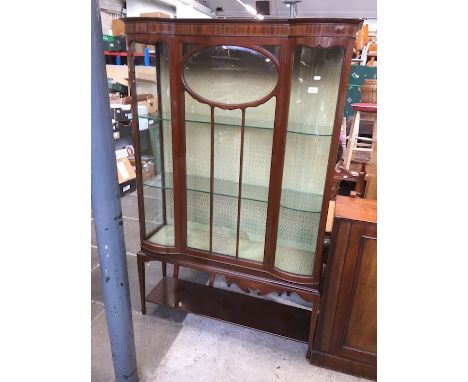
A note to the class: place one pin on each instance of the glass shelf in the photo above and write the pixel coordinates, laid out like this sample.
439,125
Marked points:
294,260
164,236
296,240
288,258
293,128
290,199
223,240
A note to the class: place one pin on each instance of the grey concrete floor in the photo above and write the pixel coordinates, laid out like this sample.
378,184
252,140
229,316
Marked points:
175,346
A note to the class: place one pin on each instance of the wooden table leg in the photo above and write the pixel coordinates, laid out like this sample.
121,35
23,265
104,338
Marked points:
141,278
371,187
313,323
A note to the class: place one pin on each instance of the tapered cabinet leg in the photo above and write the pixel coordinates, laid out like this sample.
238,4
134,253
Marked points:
212,279
175,274
164,269
313,324
141,278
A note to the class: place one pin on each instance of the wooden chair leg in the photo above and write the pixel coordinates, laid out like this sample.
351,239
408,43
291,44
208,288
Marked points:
352,140
141,279
175,274
164,269
361,181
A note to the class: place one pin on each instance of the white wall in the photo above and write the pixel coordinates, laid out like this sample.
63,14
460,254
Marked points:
307,8
111,5
188,12
135,7
174,8
110,9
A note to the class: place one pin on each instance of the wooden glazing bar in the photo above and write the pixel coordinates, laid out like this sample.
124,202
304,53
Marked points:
160,130
239,194
211,178
136,137
178,143
278,151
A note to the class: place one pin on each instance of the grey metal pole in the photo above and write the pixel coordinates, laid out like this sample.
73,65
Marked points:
108,214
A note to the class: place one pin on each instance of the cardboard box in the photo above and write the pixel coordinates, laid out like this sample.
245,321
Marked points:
118,27
122,153
148,170
125,171
155,14
139,48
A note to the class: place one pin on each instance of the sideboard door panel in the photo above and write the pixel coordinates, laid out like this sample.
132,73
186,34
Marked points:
355,326
363,312
346,338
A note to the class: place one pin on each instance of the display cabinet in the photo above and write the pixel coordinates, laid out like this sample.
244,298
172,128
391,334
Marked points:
244,143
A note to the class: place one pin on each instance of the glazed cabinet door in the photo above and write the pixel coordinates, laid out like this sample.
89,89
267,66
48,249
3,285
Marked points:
229,120
315,85
151,105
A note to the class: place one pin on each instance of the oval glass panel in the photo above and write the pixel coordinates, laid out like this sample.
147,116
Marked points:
230,75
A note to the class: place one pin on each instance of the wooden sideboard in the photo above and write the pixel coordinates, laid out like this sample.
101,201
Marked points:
346,337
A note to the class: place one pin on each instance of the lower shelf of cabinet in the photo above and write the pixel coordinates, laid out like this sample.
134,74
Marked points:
268,316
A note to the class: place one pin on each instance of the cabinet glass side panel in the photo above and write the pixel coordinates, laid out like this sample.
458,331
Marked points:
297,235
314,93
152,86
314,89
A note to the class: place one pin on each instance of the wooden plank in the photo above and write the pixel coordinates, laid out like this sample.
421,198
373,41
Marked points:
356,209
119,73
268,316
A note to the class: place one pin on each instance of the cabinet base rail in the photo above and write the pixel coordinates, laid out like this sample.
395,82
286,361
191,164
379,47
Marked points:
268,316
343,365
245,310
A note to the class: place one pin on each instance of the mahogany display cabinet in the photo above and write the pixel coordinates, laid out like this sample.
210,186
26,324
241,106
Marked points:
243,143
